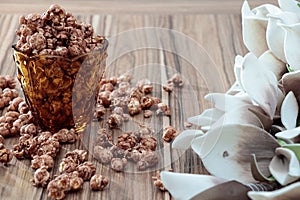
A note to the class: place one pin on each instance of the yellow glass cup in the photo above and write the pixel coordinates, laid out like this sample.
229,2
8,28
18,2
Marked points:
60,91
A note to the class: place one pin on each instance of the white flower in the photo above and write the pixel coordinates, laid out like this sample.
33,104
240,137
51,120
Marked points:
254,24
285,166
290,108
234,142
291,45
232,109
230,147
258,78
268,27
276,35
289,5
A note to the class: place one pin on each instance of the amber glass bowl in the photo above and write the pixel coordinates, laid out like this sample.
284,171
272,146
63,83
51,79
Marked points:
60,91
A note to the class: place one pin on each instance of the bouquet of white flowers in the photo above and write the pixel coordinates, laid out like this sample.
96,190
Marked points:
250,140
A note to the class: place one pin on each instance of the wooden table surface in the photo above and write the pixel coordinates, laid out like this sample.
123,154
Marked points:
198,39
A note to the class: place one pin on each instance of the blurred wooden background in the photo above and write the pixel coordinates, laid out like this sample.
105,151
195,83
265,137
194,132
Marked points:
131,6
214,25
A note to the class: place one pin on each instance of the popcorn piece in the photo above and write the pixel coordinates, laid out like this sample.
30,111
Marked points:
115,120
127,141
118,164
14,104
99,111
169,133
168,88
177,80
76,182
50,147
103,155
86,170
163,109
6,155
41,177
145,131
118,111
23,108
147,102
98,182
104,98
37,41
107,87
79,156
66,136
135,156
44,161
158,182
5,130
145,86
148,143
103,139
29,129
67,165
148,159
7,82
58,187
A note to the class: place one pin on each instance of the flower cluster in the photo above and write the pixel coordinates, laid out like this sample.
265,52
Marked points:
252,131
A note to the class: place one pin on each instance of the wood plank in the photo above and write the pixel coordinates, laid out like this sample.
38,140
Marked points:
131,6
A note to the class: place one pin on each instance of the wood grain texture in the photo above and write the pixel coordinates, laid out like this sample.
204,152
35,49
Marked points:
218,34
131,6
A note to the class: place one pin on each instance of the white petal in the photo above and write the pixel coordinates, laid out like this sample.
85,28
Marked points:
248,114
289,111
234,89
226,102
270,62
290,82
291,45
254,24
289,5
290,192
226,151
184,139
207,117
260,84
185,186
237,69
289,136
285,166
276,35
262,11
275,39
